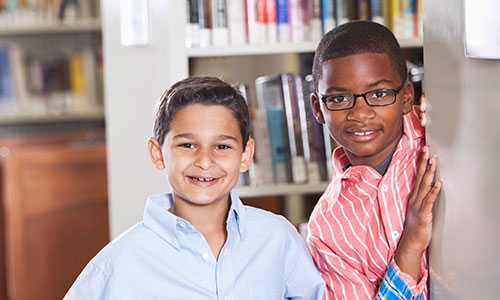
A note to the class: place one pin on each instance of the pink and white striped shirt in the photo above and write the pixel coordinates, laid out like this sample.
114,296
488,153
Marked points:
355,228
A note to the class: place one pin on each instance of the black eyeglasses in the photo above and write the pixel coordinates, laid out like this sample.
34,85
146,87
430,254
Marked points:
381,97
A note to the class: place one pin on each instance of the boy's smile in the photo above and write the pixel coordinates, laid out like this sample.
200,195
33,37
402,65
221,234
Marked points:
369,134
204,154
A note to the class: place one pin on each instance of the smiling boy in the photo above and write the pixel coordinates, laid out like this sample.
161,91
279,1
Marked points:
378,187
200,241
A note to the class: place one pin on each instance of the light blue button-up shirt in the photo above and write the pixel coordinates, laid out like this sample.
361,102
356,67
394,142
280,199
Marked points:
165,257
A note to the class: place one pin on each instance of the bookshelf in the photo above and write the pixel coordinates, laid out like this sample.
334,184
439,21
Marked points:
83,26
277,48
52,63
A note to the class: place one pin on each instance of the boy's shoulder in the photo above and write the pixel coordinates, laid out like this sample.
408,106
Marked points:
259,219
123,246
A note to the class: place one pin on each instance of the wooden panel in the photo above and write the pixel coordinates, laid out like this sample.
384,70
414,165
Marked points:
55,216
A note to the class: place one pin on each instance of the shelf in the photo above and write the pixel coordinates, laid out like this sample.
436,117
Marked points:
51,28
280,48
283,189
51,118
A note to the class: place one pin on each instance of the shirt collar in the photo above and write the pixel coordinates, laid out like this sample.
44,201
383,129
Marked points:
412,131
160,220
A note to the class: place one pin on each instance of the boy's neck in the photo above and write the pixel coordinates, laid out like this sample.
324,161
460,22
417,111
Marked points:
377,162
205,218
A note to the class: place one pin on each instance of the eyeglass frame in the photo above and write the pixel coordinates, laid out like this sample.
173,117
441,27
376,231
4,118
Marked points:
356,96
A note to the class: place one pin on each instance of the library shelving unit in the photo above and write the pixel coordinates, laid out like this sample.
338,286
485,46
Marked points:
52,39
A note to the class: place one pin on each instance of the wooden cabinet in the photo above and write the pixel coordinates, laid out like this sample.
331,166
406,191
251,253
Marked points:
54,214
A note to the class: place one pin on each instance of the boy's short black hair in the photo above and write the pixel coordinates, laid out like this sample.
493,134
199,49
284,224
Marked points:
200,90
355,38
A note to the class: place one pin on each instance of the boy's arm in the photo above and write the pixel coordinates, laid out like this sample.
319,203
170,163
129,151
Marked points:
302,280
400,281
90,284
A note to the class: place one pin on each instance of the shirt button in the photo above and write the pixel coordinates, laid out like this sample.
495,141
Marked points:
384,188
395,234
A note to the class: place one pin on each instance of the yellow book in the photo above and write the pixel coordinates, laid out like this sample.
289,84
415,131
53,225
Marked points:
76,76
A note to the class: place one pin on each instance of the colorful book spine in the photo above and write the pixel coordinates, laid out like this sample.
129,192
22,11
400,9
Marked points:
282,9
270,98
376,9
327,15
270,21
5,75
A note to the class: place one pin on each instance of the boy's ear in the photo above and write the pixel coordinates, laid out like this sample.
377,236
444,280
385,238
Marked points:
316,108
247,157
155,153
408,97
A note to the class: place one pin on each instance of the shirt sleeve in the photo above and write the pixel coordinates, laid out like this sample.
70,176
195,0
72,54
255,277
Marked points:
302,280
398,285
90,284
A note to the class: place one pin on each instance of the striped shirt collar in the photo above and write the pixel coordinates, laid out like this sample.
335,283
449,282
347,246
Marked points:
168,226
412,131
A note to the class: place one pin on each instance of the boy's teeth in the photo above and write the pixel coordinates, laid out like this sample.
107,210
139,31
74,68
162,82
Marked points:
361,133
204,179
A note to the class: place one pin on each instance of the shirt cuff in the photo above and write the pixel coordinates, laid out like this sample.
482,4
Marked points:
410,284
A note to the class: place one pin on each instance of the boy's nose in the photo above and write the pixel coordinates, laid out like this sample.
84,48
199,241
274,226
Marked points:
361,110
203,160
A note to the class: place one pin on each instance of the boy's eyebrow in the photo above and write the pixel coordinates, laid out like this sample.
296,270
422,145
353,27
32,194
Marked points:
370,85
190,136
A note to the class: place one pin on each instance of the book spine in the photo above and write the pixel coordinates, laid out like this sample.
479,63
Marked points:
220,31
193,25
204,19
271,23
293,126
283,21
236,20
315,23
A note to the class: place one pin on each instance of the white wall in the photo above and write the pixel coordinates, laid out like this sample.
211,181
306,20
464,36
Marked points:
465,132
135,77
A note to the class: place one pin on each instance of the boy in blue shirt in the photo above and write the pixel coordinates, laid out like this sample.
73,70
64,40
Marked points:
200,241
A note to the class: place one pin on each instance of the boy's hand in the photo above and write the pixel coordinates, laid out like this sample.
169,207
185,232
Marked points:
424,107
418,224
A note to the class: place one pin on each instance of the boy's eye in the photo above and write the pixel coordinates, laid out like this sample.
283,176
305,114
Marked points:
379,94
187,145
338,99
223,147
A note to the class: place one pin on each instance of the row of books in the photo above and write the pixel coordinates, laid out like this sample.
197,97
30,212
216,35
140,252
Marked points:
238,22
290,145
32,12
62,83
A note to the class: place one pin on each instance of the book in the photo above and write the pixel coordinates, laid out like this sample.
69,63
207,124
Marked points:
295,121
192,26
282,21
316,26
205,22
220,30
270,101
236,21
327,15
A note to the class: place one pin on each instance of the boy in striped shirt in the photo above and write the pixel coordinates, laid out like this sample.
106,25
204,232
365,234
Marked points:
375,217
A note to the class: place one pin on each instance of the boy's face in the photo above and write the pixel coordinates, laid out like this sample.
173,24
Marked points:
368,134
203,154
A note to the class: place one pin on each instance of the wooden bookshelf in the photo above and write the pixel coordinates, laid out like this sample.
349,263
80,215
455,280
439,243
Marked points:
50,118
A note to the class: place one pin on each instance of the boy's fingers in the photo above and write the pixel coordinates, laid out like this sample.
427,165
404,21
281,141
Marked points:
422,166
430,199
428,179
